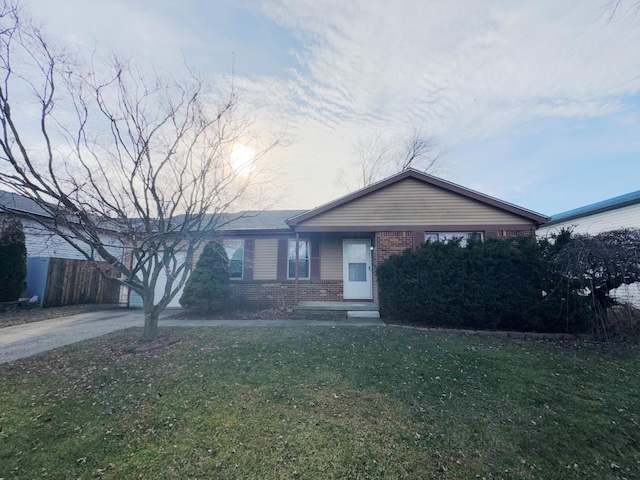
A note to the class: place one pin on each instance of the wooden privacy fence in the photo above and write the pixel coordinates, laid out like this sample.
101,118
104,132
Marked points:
70,282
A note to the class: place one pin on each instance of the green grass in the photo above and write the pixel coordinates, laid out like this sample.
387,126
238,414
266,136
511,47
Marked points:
322,403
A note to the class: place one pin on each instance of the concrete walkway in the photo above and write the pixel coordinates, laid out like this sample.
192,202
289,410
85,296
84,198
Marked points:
21,341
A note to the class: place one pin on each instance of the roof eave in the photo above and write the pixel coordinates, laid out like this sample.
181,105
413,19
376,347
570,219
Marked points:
411,173
255,231
588,213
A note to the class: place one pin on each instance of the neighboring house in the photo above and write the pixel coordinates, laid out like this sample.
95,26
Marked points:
280,258
614,213
611,214
42,245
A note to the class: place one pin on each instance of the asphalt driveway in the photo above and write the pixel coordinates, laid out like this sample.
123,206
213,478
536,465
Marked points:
21,341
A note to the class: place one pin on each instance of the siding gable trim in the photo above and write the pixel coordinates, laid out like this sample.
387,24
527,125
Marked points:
537,218
404,228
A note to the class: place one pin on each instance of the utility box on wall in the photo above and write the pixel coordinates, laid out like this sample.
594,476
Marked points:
37,272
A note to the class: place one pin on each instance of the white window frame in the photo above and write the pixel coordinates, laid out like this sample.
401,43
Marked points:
291,261
229,249
448,236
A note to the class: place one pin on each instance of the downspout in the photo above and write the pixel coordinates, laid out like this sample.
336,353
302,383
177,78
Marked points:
297,266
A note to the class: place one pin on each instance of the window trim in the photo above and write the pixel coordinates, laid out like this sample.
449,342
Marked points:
240,261
465,236
291,275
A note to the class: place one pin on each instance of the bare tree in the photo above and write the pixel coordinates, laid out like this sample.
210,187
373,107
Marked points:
377,157
127,167
621,8
420,151
371,159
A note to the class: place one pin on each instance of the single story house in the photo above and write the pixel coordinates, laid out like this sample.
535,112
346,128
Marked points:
330,253
611,214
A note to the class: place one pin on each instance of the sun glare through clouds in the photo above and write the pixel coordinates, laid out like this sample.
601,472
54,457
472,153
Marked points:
242,158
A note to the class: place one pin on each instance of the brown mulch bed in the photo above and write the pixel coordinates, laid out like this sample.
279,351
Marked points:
19,315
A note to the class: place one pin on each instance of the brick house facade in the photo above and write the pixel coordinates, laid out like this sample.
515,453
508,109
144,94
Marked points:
331,253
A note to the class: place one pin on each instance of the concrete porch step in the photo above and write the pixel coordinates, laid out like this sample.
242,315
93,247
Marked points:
337,306
363,314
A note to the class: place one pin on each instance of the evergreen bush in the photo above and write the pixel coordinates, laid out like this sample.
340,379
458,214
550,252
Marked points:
13,259
207,289
492,284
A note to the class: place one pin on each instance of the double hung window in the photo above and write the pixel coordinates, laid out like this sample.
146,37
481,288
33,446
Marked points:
235,253
304,254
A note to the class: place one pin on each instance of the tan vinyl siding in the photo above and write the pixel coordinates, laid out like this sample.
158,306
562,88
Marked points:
412,202
331,259
265,261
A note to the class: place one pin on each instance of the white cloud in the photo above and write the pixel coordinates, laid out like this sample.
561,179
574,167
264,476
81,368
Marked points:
465,70
461,66
126,28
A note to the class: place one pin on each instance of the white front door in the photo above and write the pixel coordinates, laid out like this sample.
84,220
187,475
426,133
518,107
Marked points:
356,258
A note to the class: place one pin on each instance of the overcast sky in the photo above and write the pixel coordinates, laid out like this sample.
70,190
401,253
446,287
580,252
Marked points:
537,101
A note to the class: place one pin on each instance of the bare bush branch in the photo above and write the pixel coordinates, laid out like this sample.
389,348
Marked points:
590,266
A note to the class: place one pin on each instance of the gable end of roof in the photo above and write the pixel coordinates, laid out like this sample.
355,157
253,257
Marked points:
426,178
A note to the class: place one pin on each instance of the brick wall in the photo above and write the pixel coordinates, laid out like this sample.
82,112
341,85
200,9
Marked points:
275,293
389,243
278,294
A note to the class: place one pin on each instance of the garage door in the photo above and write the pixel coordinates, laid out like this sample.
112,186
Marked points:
136,301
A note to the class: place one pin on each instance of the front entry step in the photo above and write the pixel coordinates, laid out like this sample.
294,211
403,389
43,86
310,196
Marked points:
337,306
363,314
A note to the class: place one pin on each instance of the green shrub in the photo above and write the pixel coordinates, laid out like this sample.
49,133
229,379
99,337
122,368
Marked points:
207,289
495,284
13,259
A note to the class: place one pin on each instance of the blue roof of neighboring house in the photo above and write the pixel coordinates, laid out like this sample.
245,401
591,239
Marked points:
598,207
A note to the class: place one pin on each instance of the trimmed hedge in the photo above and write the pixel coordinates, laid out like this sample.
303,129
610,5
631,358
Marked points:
13,259
207,289
495,284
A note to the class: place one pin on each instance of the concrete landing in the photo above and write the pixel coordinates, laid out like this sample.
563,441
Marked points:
337,306
362,314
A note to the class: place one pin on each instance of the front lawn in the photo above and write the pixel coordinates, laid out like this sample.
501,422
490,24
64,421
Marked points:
271,403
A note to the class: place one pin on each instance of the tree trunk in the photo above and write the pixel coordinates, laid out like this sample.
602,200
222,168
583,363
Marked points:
150,326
